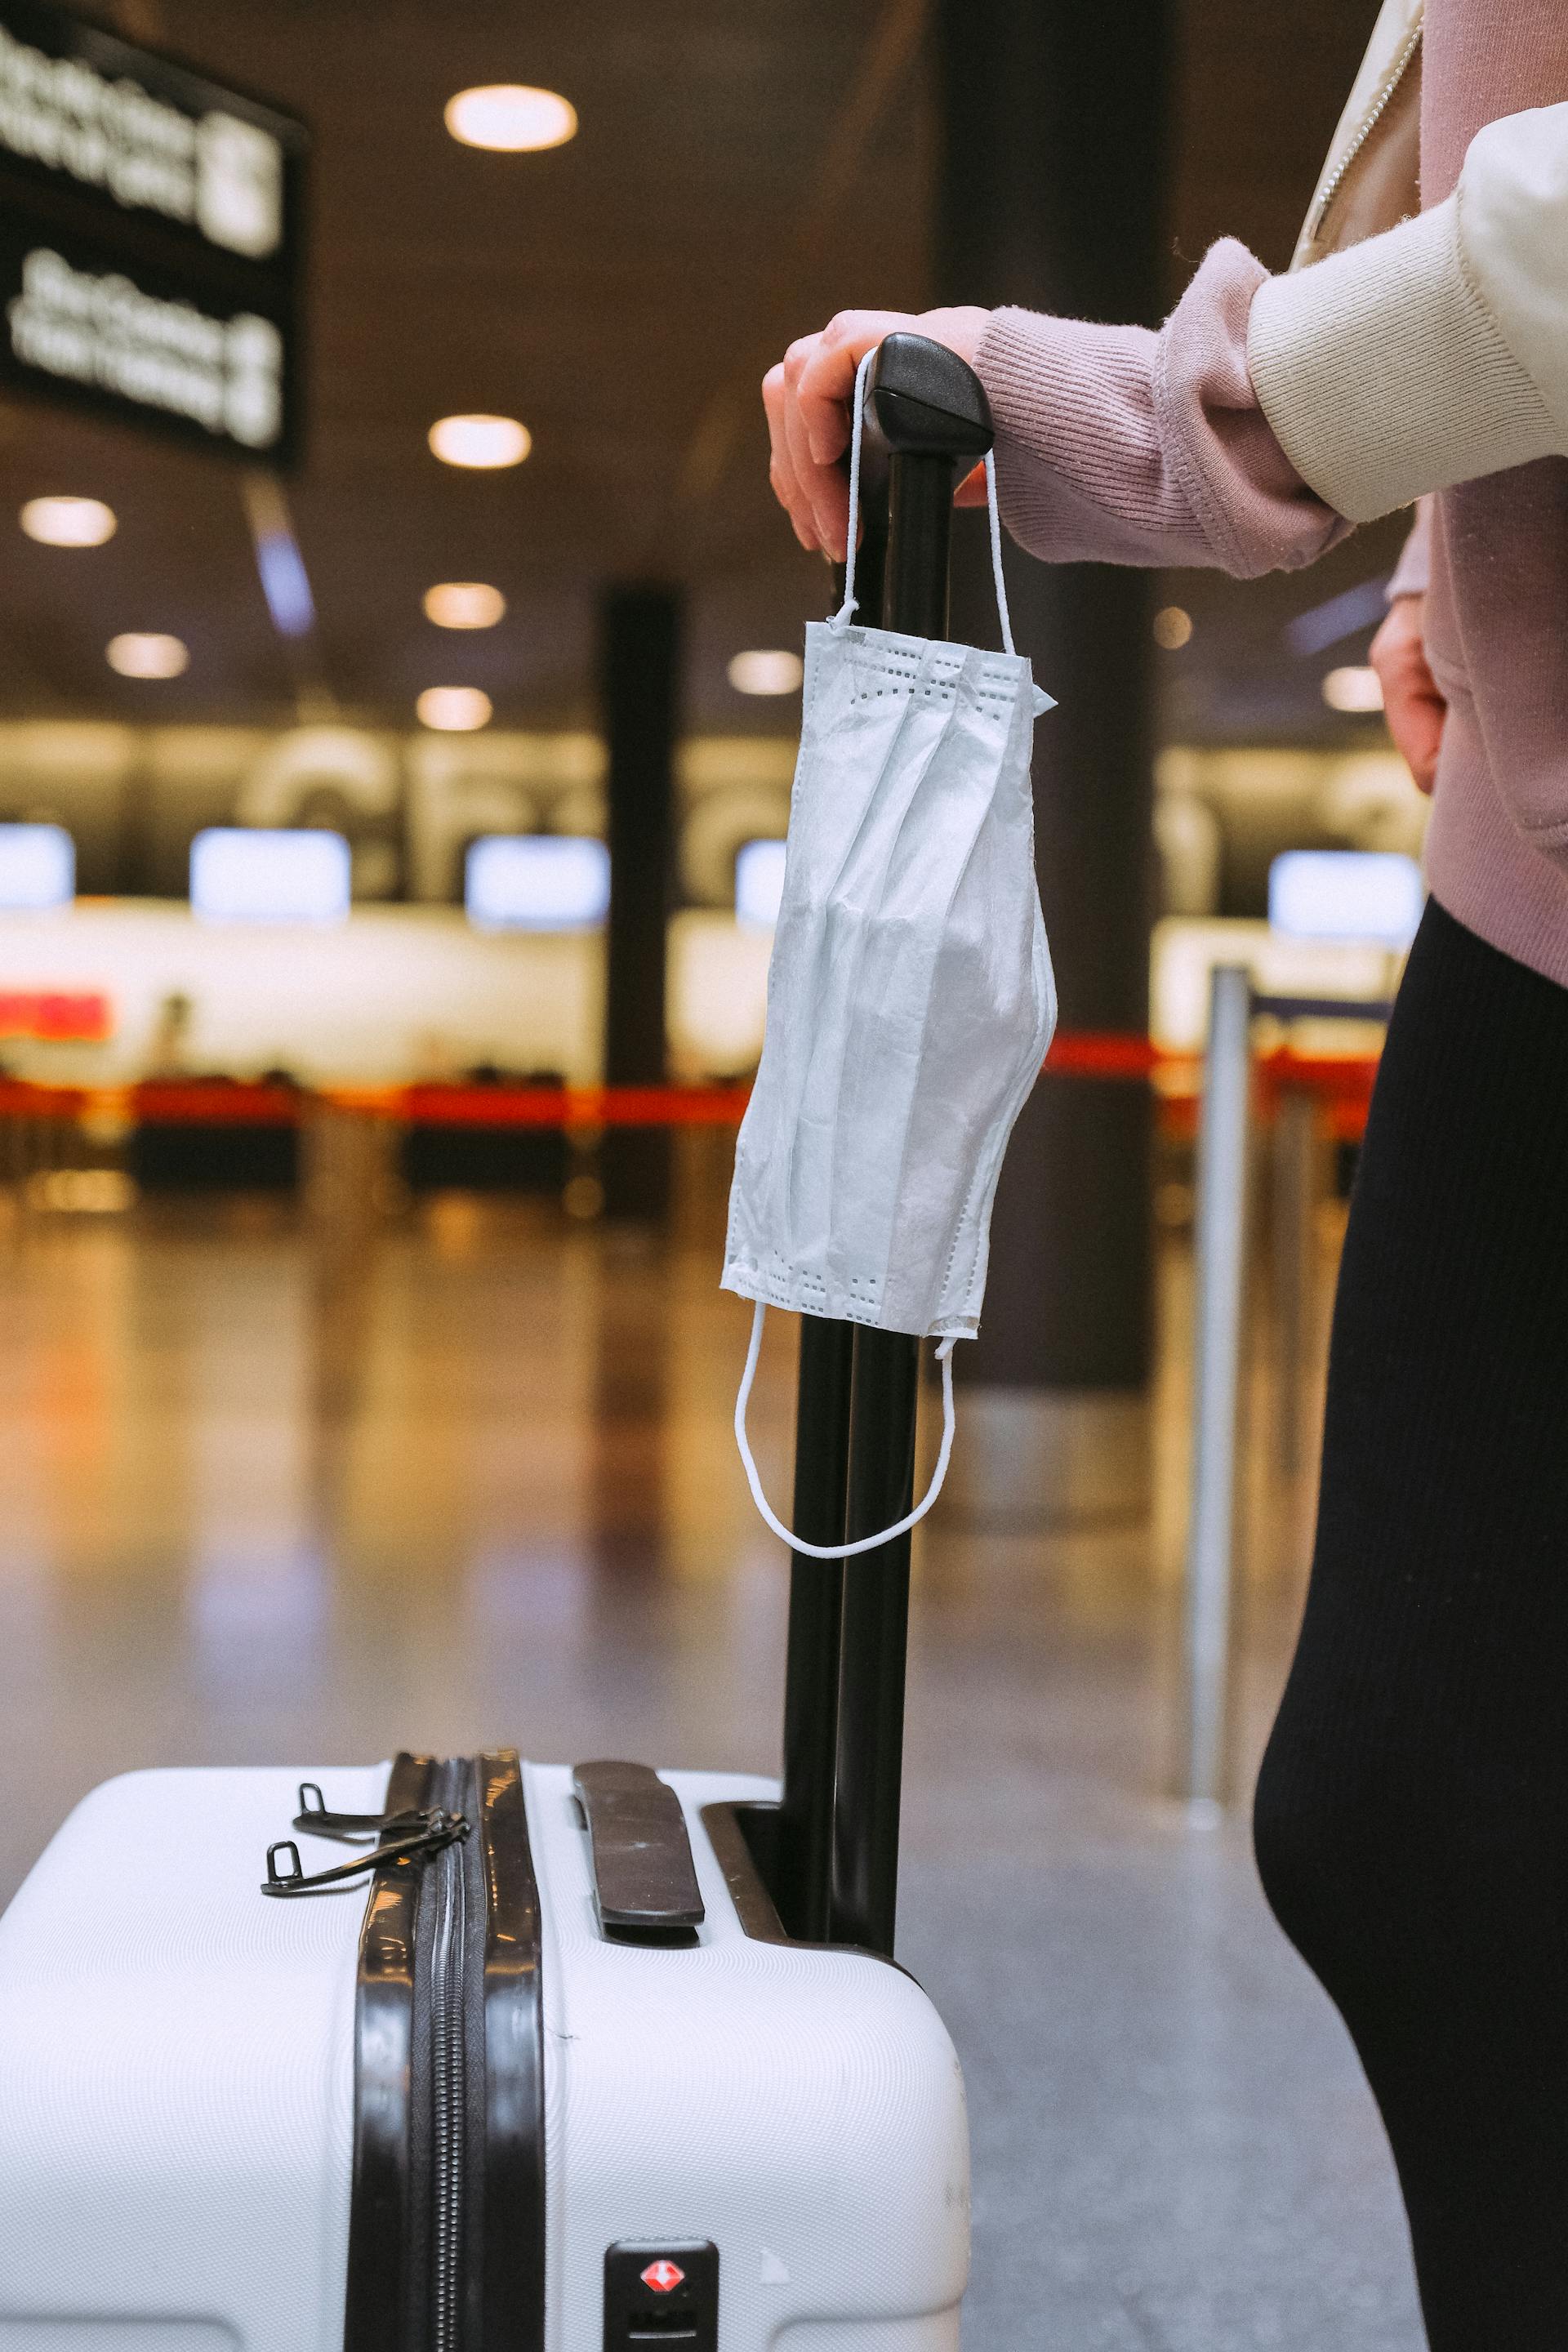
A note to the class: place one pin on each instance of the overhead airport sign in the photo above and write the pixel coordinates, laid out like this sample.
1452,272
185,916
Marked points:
150,235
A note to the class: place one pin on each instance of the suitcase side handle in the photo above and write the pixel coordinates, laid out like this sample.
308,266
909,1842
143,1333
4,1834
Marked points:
645,1881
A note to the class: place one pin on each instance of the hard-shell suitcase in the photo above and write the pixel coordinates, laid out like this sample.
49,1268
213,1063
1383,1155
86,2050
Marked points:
477,2056
293,2126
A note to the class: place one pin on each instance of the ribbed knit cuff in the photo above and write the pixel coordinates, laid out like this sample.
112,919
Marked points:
1383,373
1118,446
1078,465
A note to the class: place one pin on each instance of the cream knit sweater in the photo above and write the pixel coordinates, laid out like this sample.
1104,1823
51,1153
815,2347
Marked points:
1272,413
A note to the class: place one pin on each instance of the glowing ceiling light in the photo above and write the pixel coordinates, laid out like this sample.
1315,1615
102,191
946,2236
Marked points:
454,710
147,654
1172,628
68,522
464,605
1353,689
765,671
510,117
485,441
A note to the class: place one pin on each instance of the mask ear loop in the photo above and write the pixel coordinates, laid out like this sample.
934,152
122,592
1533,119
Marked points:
1043,701
842,618
865,1543
996,571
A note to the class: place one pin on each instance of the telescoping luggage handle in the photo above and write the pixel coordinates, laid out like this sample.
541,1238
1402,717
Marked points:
927,423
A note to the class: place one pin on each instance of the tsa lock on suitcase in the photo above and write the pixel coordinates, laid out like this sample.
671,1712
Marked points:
927,423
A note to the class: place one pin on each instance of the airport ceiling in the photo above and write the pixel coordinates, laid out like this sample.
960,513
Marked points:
744,168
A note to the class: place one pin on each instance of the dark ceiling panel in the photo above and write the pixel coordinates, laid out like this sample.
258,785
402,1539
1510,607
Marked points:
622,295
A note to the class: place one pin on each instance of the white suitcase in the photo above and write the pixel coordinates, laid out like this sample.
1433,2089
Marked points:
231,2124
562,2082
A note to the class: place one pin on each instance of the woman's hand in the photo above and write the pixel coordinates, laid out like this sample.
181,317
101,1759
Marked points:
809,396
1413,701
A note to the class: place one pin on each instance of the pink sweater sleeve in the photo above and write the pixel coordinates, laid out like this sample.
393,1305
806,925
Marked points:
1116,445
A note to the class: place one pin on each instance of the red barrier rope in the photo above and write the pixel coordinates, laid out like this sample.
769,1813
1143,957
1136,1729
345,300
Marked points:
1101,1055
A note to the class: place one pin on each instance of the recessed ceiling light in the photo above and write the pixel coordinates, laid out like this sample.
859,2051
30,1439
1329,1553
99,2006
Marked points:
769,671
146,654
68,522
464,605
454,710
480,440
1353,689
510,117
1172,628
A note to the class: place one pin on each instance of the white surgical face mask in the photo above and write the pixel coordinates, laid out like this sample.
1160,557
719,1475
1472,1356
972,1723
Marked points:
911,999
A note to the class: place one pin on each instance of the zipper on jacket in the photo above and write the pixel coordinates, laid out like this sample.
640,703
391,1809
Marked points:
1368,124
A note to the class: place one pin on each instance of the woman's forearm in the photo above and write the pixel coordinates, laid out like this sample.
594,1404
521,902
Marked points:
1121,446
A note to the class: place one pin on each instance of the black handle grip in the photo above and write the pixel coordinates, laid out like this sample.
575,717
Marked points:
927,420
924,401
645,1881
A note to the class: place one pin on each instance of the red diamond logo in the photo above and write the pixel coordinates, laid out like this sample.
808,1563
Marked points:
662,2276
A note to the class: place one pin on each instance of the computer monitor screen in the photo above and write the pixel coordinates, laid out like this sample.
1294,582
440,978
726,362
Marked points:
759,884
1345,894
241,874
537,882
37,867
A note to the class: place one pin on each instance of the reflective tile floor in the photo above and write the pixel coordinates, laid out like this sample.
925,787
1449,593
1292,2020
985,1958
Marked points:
476,1484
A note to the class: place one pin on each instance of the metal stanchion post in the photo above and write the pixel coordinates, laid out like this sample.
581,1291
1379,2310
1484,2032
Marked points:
13,1130
1295,1205
1221,1255
344,1157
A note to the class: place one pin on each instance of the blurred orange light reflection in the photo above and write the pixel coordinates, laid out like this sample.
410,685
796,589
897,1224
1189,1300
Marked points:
464,605
510,117
454,710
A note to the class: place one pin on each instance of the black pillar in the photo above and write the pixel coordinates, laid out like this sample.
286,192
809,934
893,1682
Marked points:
1050,195
639,689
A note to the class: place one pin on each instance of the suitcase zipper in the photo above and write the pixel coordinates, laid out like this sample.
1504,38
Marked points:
447,2216
445,1890
428,1840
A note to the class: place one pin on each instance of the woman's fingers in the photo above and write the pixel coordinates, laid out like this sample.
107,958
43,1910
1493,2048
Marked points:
821,390
781,466
824,380
1420,736
810,477
1413,701
808,398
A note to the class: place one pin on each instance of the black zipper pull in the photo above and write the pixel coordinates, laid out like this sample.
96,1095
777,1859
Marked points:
436,1830
314,1817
